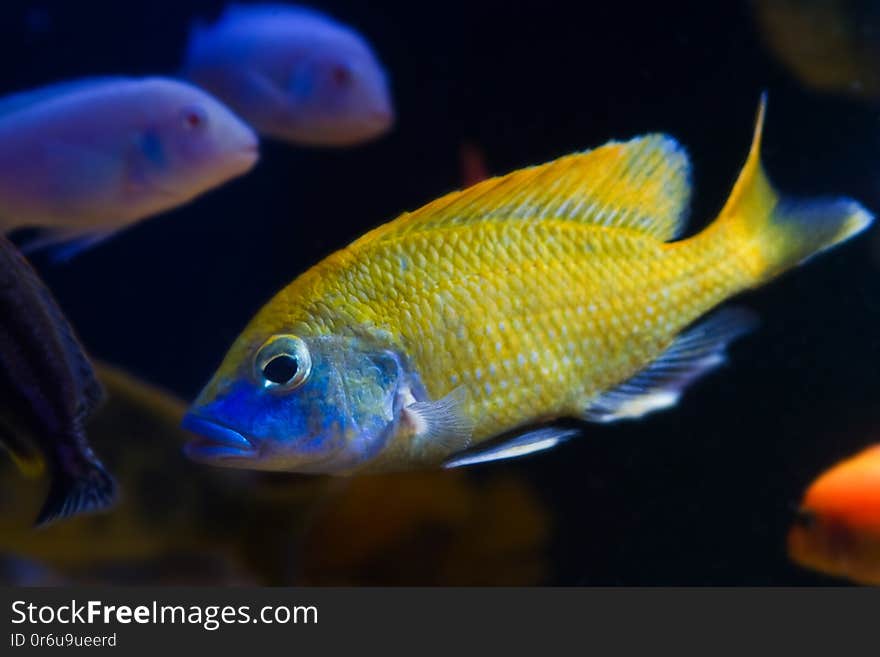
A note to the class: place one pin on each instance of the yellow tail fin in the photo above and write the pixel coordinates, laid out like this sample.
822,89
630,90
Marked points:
777,233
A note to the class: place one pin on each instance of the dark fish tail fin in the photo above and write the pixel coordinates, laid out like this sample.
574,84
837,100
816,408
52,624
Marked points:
775,233
86,488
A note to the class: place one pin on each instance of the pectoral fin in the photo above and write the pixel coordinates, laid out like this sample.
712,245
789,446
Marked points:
441,427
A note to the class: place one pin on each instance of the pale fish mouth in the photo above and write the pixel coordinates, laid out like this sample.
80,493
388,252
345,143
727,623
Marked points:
247,157
215,442
376,123
384,116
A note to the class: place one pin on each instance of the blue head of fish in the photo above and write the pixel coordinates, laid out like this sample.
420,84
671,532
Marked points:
320,405
339,98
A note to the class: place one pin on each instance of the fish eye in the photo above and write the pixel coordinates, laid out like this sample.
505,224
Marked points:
195,118
805,518
281,369
341,75
283,363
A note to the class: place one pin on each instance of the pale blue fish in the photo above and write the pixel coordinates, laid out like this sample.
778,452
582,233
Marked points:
86,158
294,74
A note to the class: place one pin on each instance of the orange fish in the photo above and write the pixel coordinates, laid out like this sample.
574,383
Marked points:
837,530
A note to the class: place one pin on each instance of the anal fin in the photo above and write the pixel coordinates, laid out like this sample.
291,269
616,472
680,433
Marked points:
693,353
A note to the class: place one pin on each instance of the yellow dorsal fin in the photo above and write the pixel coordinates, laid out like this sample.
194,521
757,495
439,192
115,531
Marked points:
642,184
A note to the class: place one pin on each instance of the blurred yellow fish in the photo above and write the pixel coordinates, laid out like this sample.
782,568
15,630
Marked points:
429,528
555,291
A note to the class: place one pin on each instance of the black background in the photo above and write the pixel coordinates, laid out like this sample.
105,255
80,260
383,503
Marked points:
699,495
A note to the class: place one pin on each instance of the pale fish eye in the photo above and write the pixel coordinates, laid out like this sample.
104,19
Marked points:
194,117
283,363
341,75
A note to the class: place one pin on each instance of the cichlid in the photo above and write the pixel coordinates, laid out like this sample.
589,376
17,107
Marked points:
294,74
561,290
47,392
86,158
837,529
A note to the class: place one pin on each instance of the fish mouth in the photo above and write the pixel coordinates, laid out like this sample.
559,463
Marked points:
381,117
373,125
215,442
247,157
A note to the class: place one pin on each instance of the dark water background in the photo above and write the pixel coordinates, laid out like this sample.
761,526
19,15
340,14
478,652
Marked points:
699,495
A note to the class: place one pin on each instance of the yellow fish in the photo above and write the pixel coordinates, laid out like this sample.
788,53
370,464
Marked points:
561,290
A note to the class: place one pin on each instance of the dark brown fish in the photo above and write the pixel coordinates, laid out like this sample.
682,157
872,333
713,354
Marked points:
47,391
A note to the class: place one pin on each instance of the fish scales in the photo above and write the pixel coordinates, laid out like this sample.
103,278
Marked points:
486,296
